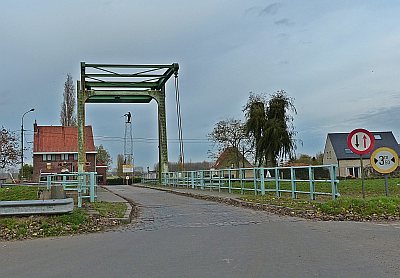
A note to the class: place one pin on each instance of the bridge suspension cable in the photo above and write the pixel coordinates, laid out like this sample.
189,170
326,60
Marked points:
179,119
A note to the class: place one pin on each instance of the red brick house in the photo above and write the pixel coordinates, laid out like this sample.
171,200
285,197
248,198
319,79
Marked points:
55,150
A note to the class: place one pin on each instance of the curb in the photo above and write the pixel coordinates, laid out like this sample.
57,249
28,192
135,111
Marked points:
132,209
278,210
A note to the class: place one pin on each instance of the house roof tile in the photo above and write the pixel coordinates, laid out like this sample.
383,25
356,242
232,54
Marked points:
60,139
339,143
228,157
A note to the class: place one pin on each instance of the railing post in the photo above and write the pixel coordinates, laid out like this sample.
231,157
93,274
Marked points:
48,181
293,181
92,180
262,184
333,180
241,180
229,181
277,183
80,182
312,183
164,179
202,179
64,184
192,178
254,181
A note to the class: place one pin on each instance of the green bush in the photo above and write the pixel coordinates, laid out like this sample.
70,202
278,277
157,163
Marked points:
118,181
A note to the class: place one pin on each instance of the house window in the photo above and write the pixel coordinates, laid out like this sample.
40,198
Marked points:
75,156
49,157
64,156
348,151
353,171
377,137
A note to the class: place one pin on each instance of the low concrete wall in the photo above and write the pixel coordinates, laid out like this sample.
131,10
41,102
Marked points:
53,206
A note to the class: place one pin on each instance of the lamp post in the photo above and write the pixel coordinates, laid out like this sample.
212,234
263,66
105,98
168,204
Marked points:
22,142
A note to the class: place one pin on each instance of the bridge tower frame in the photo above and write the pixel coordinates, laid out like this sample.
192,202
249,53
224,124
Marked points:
112,83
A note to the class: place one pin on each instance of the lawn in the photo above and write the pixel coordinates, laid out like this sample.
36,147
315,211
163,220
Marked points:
349,206
80,220
15,193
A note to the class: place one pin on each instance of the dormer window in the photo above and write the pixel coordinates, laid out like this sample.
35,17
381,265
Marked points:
347,151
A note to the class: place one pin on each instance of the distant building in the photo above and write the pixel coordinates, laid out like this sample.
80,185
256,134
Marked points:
337,152
229,159
55,150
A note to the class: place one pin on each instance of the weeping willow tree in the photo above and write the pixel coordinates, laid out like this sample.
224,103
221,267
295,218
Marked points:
269,124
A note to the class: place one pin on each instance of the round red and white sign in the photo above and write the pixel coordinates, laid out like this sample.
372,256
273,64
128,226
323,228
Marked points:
360,141
384,160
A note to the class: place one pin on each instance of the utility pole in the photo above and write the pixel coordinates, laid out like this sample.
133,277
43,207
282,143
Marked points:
22,142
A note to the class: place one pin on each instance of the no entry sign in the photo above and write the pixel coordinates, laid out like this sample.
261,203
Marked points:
360,141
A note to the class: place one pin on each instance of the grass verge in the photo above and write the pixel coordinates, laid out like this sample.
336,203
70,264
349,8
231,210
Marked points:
347,208
80,220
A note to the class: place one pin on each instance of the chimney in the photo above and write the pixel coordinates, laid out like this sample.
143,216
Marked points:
35,128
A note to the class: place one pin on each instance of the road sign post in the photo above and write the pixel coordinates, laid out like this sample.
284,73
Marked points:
385,160
361,141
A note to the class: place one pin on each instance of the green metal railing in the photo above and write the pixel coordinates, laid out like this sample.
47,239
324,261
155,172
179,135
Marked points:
85,184
311,180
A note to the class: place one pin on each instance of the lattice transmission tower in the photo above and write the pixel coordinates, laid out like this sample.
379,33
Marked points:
128,140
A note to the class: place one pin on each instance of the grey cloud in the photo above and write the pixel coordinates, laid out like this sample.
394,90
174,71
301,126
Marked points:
379,117
284,21
283,35
271,9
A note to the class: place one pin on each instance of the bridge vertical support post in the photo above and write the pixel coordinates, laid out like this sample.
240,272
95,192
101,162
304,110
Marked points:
312,183
81,126
262,181
159,96
293,181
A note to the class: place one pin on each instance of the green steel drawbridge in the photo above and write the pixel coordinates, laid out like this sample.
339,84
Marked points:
110,83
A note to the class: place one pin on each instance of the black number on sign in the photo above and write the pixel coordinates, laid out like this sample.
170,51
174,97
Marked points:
381,160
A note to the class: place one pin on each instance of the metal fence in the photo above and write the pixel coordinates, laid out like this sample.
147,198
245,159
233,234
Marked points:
311,180
85,184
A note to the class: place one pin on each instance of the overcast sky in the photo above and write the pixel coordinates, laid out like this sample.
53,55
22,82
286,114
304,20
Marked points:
338,59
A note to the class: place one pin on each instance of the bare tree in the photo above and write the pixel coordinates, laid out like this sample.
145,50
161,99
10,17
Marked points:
67,114
9,152
229,133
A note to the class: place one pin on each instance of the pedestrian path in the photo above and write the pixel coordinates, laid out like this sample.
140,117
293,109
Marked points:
104,195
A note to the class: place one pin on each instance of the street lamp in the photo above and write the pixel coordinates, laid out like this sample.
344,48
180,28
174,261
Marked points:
22,143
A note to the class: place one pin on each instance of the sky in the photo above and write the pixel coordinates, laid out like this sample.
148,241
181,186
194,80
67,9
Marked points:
339,60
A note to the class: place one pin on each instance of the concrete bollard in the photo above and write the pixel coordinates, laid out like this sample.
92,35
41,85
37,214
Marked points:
57,192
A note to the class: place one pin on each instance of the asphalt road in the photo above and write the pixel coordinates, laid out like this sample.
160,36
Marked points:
178,236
